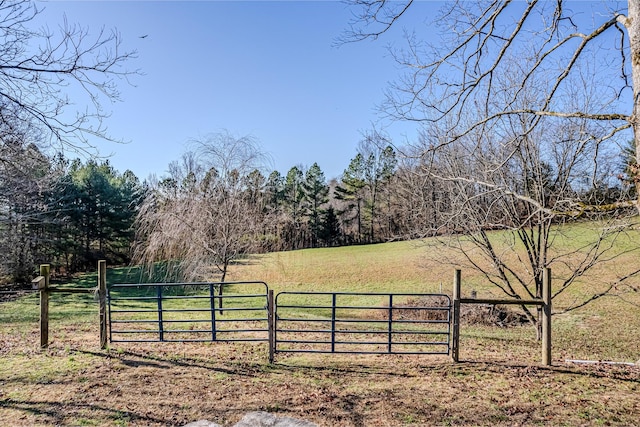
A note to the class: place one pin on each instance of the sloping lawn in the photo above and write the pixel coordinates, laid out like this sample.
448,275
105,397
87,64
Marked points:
499,382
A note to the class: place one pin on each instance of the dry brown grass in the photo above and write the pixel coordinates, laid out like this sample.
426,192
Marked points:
499,382
72,383
173,384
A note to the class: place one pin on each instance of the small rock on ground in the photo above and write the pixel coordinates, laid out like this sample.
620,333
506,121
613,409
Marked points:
202,423
258,419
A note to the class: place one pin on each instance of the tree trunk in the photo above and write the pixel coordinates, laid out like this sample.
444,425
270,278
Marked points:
632,24
359,222
373,211
220,290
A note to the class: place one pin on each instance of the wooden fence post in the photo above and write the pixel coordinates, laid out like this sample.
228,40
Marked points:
45,271
546,317
102,295
455,333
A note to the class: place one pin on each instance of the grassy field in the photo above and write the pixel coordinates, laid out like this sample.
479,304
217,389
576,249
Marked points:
499,381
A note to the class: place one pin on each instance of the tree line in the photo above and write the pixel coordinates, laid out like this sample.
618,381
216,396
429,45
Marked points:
68,213
219,202
53,209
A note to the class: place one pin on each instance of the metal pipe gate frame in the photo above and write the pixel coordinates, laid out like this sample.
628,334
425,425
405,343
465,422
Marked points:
453,319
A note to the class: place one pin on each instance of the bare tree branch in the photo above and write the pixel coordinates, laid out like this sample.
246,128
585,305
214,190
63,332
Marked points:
38,66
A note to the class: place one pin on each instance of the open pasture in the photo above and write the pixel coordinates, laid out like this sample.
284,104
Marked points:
499,381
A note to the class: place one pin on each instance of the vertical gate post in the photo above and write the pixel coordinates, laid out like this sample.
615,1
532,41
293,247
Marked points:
455,333
212,305
546,317
45,271
333,322
272,325
102,297
160,322
220,297
390,326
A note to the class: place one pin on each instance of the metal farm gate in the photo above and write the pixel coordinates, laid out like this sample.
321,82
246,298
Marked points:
362,323
292,322
179,312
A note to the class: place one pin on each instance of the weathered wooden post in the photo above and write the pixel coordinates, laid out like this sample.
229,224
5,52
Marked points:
102,296
45,271
455,333
546,317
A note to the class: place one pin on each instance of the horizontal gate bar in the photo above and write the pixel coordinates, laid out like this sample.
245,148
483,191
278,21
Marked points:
380,332
182,284
196,340
367,352
368,294
416,343
367,307
289,319
174,297
502,301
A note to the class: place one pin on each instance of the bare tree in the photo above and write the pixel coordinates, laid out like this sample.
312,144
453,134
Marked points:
202,215
419,197
514,204
38,70
26,176
39,66
547,44
524,108
512,215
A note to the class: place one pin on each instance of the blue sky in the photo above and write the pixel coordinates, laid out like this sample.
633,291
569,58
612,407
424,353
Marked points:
268,69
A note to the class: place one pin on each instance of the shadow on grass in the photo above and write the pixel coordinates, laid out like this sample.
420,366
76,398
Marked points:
618,373
134,359
58,413
252,369
336,369
463,368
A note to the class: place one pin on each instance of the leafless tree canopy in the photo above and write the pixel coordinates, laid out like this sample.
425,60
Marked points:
54,84
38,66
555,54
201,215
